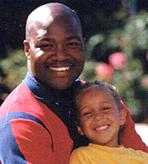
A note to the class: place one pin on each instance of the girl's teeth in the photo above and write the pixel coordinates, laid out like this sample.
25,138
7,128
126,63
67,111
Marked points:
102,127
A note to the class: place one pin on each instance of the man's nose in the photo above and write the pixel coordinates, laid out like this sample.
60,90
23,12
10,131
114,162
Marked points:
60,52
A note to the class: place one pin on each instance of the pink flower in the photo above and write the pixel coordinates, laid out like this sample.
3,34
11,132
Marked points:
104,71
144,82
117,60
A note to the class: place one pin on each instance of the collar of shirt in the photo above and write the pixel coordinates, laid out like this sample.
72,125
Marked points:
58,101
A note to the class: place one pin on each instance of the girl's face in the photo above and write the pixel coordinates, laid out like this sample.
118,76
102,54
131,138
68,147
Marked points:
100,118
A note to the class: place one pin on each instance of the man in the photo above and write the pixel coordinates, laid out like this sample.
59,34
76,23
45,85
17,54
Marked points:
36,123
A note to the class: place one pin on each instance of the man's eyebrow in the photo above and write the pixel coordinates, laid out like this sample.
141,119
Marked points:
45,39
73,37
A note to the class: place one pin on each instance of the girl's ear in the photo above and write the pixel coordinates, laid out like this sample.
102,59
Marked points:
122,116
80,130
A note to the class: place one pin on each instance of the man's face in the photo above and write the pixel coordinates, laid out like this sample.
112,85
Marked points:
56,52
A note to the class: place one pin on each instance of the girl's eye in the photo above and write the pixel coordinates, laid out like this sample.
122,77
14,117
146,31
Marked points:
87,114
106,109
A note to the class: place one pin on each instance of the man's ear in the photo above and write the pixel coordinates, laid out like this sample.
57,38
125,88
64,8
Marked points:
26,49
80,130
123,114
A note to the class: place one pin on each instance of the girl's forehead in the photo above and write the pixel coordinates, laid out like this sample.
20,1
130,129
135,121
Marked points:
95,89
94,92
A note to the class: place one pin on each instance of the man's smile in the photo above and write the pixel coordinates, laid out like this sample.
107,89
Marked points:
60,69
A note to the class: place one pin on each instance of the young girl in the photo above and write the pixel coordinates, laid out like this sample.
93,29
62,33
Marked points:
100,118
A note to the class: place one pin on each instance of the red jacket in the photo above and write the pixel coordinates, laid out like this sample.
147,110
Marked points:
30,132
128,136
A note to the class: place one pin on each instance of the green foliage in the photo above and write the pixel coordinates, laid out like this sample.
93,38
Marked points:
14,68
131,37
89,73
131,81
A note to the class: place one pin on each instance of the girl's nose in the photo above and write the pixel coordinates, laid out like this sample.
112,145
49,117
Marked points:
99,115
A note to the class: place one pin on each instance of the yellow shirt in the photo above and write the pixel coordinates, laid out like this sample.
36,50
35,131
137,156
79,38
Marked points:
96,154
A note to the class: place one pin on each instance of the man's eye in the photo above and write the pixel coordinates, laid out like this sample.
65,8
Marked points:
44,45
47,45
73,44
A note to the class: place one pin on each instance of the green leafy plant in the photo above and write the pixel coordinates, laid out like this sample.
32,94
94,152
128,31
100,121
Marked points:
132,40
14,68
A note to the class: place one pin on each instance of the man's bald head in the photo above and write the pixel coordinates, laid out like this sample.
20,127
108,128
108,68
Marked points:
46,13
54,45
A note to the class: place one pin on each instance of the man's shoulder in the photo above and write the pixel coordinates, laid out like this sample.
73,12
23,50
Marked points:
21,95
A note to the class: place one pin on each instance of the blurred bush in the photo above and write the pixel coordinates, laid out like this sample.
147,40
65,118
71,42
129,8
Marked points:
128,70
131,75
13,69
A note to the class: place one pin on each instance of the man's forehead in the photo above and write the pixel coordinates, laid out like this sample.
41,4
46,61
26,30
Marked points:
42,16
45,16
41,26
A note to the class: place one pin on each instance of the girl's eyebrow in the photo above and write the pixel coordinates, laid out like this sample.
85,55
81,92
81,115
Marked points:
83,109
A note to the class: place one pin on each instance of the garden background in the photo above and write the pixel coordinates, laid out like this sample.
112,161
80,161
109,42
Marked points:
116,35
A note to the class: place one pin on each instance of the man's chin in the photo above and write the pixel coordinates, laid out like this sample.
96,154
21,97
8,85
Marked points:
60,85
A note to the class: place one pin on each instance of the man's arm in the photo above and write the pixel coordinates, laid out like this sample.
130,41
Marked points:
129,136
25,141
